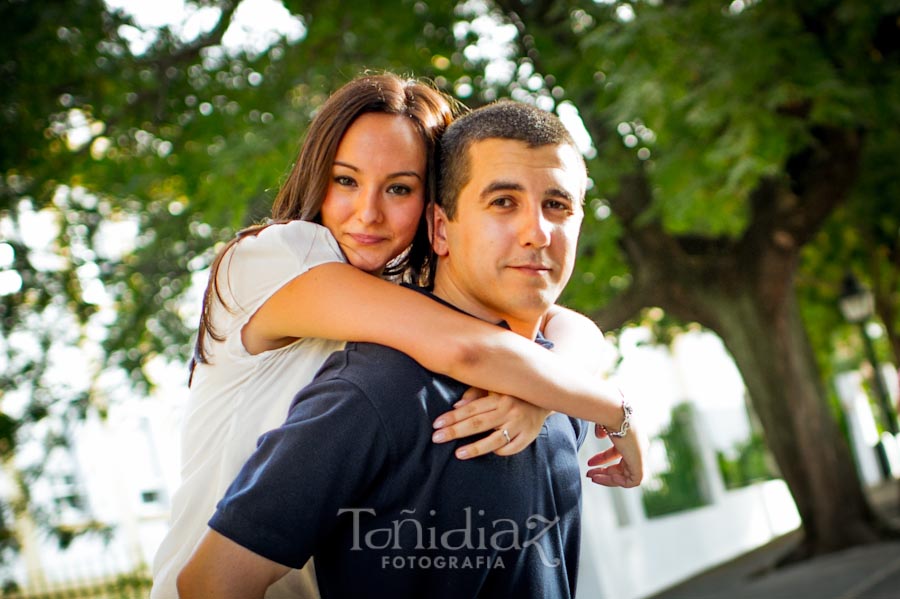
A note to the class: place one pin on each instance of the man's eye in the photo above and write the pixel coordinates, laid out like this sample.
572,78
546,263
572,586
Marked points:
501,202
557,205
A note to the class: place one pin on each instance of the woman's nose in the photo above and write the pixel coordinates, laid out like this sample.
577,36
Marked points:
368,206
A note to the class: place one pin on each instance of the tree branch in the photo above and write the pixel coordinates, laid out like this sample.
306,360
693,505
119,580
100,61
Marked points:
785,215
618,311
191,51
821,177
632,200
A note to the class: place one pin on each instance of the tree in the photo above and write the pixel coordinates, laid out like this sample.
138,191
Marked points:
725,136
122,166
738,158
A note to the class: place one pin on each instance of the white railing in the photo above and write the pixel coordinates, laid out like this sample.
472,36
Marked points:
626,555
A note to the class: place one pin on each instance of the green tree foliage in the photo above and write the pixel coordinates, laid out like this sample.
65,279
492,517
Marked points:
750,465
742,157
680,487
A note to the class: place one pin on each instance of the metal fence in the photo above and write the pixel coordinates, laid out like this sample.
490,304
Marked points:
135,585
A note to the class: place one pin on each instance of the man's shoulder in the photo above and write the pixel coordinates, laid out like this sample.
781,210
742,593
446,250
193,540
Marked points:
378,388
380,374
359,362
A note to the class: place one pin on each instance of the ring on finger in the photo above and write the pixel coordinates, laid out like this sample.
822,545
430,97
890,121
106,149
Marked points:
506,435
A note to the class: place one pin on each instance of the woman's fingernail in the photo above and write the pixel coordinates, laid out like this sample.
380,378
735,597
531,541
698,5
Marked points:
439,436
462,453
439,423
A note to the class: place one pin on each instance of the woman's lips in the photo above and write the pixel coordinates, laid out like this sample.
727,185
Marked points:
366,239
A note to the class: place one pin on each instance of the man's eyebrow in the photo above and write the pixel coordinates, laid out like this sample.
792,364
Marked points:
553,192
501,185
390,176
556,192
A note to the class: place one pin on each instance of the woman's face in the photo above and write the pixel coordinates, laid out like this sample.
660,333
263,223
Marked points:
377,190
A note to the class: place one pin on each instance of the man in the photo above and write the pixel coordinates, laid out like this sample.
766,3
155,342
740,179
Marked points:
353,477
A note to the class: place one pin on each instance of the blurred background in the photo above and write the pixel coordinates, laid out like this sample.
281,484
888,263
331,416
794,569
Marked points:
741,249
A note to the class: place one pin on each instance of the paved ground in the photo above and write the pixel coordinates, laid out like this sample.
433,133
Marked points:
865,572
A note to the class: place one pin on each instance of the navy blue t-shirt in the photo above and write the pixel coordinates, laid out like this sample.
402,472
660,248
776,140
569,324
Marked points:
353,478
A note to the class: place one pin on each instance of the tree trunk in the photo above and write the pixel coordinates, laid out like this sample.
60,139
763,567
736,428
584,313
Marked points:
744,291
770,347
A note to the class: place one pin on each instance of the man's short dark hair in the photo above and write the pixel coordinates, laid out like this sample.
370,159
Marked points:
504,119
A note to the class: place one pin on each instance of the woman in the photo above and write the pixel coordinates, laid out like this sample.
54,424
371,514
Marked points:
280,294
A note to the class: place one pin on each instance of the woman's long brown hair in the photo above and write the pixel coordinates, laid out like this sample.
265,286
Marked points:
302,194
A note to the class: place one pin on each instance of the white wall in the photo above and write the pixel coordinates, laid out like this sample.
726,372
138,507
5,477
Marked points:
645,556
626,555
117,460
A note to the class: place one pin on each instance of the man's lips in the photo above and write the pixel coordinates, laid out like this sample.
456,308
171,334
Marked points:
531,268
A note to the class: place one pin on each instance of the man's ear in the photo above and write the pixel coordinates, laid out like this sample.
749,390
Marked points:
438,228
429,220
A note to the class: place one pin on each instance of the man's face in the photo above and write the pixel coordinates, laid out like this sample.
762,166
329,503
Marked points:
510,248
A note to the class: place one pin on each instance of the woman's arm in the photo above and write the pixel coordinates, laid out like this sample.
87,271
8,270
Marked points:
577,338
337,301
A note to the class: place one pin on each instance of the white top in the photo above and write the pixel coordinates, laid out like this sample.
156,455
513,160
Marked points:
237,396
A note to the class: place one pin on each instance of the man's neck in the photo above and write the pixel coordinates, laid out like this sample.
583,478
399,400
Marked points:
445,289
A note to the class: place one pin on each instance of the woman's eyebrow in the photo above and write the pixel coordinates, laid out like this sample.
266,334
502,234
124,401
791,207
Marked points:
346,165
390,176
405,174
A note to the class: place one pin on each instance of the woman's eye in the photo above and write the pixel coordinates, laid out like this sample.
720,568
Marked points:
344,180
399,190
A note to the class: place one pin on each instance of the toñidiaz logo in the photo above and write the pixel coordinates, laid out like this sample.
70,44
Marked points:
410,534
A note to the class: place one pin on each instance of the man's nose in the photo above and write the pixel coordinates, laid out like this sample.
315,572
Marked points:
535,229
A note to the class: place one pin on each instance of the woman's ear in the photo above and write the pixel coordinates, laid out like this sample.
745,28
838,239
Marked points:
438,226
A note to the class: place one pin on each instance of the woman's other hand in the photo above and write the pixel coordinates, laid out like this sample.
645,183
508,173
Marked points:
622,465
514,424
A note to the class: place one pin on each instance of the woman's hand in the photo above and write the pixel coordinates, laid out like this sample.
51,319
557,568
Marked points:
627,452
479,411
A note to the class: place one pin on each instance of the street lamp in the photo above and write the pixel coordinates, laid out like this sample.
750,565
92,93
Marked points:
857,307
